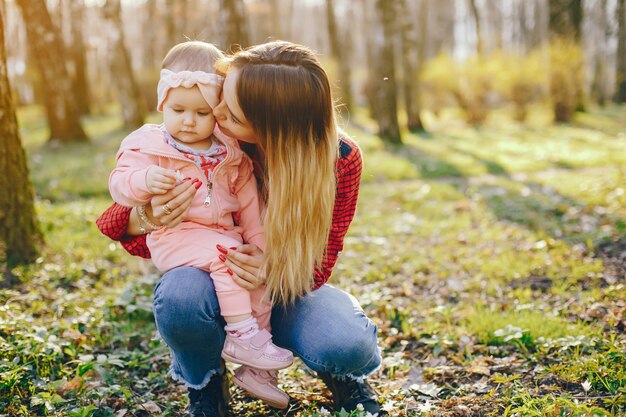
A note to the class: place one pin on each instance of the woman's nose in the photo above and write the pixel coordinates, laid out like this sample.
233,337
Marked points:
218,111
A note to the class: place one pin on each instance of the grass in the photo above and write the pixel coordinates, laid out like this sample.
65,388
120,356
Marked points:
477,252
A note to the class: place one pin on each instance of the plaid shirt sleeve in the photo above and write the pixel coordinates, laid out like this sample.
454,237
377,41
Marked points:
349,167
113,224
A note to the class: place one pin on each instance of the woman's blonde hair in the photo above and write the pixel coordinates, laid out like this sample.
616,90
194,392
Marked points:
192,56
286,97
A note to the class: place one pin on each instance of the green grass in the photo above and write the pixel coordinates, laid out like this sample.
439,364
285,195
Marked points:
473,250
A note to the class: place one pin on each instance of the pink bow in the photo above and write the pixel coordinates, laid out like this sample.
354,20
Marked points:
210,85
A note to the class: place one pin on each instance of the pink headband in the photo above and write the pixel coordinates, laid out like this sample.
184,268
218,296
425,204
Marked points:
208,83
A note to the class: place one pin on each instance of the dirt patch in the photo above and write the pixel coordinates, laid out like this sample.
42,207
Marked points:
613,255
534,282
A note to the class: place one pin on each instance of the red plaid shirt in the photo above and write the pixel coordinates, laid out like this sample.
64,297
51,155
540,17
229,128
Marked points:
114,221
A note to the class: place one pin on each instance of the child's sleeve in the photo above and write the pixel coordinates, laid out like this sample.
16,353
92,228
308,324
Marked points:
249,214
127,182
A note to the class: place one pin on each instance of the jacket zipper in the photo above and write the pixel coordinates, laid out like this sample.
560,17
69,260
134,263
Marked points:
209,185
209,198
229,154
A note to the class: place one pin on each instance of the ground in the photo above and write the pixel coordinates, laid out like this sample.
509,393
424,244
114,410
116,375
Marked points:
492,260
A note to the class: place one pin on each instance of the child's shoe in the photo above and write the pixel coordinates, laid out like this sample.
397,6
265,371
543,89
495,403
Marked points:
262,385
257,351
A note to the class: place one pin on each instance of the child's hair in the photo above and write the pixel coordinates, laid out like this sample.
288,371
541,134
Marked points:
192,56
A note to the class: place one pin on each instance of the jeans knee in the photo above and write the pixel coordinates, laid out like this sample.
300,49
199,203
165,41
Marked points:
357,355
184,300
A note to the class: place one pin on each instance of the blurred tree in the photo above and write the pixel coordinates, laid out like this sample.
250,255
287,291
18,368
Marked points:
276,16
132,101
340,52
19,235
495,22
170,22
149,44
566,18
620,74
78,54
412,58
384,82
537,36
601,38
442,15
234,26
56,84
479,37
564,23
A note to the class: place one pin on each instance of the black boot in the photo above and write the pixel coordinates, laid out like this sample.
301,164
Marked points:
210,401
348,393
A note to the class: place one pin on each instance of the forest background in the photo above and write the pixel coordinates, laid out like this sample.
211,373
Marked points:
489,243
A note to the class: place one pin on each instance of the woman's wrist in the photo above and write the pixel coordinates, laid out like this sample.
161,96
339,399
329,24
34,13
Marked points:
144,217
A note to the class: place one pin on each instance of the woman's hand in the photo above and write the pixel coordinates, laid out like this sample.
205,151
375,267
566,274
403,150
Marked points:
171,208
245,263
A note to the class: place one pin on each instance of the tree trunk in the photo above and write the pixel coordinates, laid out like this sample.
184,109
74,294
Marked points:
620,75
368,87
276,18
131,100
170,23
441,37
339,53
385,84
537,34
58,95
566,18
599,38
479,37
79,57
495,18
150,46
564,24
410,66
234,25
18,226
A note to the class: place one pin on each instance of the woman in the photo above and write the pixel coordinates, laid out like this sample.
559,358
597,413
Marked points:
276,96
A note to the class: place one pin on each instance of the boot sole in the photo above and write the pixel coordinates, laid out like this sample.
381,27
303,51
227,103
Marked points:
269,401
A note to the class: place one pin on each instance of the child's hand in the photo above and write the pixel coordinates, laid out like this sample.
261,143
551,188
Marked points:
160,180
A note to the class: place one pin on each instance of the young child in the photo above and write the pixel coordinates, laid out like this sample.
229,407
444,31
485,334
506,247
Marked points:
226,211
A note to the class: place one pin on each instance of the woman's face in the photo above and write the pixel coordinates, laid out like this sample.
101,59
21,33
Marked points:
228,113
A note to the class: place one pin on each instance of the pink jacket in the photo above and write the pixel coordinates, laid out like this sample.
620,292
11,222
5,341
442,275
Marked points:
235,204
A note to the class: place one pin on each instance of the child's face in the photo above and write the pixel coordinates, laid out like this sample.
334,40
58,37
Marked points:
188,117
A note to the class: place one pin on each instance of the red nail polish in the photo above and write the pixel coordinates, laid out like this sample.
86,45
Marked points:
229,271
186,179
233,248
222,258
198,185
222,249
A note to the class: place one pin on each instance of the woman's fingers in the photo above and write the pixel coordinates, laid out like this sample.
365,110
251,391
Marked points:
171,208
249,249
242,277
245,262
178,214
246,255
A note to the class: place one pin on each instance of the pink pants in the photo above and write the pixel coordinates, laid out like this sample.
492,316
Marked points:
191,244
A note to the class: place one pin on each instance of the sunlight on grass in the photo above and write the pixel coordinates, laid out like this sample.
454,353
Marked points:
521,327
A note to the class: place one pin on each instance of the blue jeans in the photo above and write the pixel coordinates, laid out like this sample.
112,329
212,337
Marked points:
327,329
